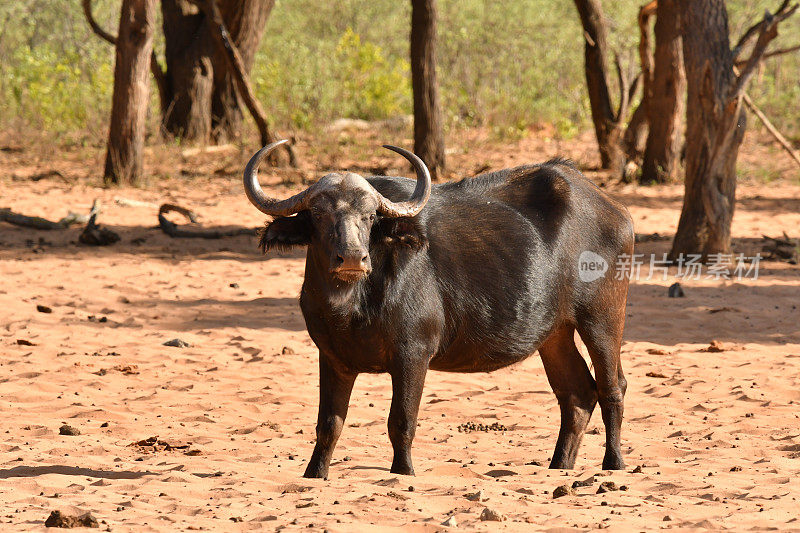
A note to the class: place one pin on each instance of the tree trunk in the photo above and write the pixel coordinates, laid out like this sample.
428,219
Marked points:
664,97
246,21
715,127
635,136
633,140
204,102
607,128
190,73
715,121
428,132
131,92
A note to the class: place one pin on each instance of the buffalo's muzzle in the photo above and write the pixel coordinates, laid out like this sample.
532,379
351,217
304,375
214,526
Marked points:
351,264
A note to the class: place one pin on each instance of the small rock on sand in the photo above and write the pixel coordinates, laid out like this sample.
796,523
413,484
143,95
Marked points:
563,490
68,430
715,347
476,496
490,515
450,522
607,486
44,309
588,482
58,519
675,291
177,343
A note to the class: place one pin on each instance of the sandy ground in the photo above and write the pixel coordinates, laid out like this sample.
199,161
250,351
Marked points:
714,437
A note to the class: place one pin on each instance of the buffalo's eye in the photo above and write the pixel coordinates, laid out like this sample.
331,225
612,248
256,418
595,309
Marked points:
372,217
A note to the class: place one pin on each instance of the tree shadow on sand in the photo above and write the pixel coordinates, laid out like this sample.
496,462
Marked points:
772,206
212,313
738,312
33,471
146,241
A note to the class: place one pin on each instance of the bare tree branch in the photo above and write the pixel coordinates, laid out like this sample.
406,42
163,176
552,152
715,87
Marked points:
772,129
768,30
778,52
175,231
625,92
103,34
645,57
239,72
751,33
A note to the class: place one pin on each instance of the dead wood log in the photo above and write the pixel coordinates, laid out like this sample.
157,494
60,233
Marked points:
175,231
25,221
785,249
94,234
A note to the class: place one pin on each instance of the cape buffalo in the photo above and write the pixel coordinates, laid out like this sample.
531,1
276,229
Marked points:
467,276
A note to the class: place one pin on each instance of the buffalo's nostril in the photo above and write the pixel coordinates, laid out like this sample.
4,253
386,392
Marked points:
364,259
339,259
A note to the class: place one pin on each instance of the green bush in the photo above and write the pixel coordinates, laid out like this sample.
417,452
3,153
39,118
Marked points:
375,87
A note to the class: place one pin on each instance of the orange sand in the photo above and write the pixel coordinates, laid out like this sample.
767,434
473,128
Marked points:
717,435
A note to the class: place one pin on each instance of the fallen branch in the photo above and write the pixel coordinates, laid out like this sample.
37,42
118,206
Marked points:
786,240
95,235
17,219
175,231
786,249
237,69
127,202
772,129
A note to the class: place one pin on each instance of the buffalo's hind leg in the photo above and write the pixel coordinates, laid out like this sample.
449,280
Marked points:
408,379
335,387
575,390
602,335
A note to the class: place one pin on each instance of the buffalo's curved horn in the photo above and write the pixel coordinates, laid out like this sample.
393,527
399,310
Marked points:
265,204
421,192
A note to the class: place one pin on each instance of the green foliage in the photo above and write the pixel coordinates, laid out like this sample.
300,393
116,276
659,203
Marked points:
376,87
504,65
52,91
346,78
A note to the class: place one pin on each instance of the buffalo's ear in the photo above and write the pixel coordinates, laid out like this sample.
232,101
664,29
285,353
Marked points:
284,233
402,231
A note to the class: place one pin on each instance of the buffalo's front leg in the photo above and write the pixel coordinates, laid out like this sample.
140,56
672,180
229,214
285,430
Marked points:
335,386
408,378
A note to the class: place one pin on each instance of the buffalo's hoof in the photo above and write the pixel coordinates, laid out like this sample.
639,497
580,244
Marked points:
613,463
405,470
316,473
